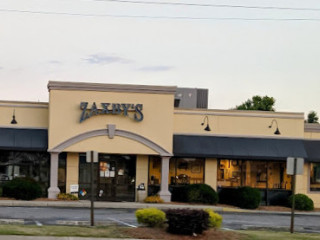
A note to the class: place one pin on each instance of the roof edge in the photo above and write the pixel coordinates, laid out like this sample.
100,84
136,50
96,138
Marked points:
105,87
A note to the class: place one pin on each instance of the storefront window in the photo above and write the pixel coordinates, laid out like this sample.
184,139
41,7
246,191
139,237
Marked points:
181,171
154,170
62,172
256,174
186,171
25,164
315,177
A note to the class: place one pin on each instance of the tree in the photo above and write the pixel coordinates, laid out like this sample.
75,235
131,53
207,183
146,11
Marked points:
312,117
258,103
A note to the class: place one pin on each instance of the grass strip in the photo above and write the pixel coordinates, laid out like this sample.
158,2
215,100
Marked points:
64,231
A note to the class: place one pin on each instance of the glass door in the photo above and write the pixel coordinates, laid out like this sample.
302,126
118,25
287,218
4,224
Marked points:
116,178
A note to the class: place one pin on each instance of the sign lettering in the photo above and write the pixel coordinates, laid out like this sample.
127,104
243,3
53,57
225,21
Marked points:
111,108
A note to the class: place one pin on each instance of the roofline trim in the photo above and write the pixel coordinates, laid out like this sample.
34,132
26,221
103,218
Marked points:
104,87
243,114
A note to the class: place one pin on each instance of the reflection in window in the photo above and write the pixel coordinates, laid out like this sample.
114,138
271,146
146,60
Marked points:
314,176
256,174
25,164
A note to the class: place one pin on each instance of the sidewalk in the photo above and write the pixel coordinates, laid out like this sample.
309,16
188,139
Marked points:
136,205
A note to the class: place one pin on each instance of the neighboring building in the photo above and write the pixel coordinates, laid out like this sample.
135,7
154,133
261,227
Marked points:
142,138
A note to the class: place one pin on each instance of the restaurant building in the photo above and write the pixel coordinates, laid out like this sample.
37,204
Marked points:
158,136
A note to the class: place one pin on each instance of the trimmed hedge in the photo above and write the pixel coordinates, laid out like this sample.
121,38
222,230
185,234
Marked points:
67,196
215,219
150,216
302,202
22,188
243,197
195,193
153,199
187,221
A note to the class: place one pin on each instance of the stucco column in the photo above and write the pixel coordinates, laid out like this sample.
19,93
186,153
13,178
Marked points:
53,190
164,188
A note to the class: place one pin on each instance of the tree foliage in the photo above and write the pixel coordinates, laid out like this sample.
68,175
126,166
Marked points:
312,117
258,103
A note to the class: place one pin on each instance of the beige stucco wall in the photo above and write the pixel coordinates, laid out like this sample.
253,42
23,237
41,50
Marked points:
72,170
64,119
28,114
142,174
303,186
211,172
239,123
117,145
312,135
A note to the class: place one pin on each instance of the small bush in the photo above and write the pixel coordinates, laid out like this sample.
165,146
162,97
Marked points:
201,193
243,197
302,202
194,193
150,216
215,219
187,221
67,196
22,188
248,197
153,199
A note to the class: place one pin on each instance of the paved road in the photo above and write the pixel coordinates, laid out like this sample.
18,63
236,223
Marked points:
72,216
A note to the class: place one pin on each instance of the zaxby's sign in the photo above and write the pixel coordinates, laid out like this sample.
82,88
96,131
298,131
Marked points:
112,109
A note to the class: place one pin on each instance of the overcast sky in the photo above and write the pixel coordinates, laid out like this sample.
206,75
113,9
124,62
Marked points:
104,41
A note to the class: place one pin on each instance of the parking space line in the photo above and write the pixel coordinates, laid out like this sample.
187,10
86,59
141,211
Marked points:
118,221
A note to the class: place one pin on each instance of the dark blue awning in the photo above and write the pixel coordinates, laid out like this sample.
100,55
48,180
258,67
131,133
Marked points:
23,139
313,150
237,147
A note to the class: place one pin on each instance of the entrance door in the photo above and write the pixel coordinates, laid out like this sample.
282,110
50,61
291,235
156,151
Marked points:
116,178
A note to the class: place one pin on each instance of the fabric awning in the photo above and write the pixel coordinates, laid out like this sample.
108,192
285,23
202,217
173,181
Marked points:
312,148
23,139
237,147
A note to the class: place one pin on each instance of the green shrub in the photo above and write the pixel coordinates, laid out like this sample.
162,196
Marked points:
153,199
302,202
194,193
150,216
201,193
215,219
0,191
187,221
243,197
22,188
67,196
248,197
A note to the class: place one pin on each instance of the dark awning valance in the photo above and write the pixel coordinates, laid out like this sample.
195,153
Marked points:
23,139
313,150
237,147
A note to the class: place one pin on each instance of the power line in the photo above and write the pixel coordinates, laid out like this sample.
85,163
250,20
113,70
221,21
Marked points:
159,17
211,5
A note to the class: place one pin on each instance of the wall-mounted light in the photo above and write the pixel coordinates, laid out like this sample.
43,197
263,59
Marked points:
14,118
277,132
207,128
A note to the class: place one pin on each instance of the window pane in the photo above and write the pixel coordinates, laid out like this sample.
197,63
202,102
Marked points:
187,170
14,164
229,173
154,170
315,177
